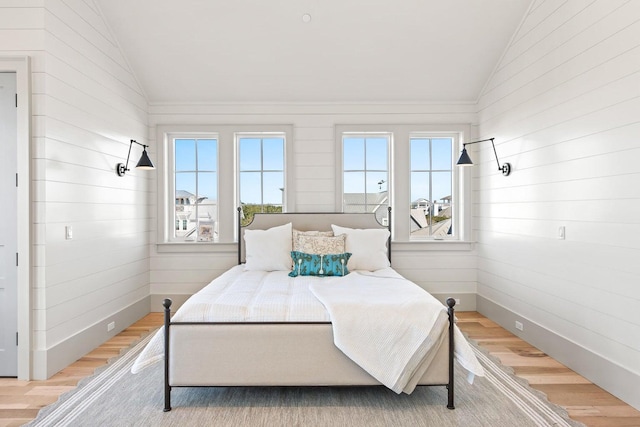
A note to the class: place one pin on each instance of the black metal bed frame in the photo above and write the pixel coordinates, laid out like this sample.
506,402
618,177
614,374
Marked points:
167,323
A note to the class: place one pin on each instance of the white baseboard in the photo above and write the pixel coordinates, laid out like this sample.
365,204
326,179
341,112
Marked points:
48,362
613,378
177,301
467,301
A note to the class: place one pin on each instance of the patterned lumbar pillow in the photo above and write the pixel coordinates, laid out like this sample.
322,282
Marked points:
319,265
298,233
321,245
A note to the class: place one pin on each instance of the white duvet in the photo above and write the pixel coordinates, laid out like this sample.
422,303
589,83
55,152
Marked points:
383,322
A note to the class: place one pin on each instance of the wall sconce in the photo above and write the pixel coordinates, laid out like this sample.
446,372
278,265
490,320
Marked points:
144,162
465,160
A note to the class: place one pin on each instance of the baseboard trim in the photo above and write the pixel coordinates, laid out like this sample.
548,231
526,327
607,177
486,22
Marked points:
177,301
467,301
613,378
48,362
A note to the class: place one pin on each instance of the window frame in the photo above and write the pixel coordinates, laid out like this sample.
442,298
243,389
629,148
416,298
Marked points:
228,197
365,135
170,237
400,177
261,135
454,199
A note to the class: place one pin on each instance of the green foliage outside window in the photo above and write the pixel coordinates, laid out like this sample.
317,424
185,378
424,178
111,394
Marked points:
438,218
251,209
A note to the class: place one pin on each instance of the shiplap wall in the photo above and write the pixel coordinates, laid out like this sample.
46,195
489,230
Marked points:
564,107
86,107
438,268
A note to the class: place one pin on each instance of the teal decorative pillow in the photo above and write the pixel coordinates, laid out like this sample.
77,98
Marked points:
319,265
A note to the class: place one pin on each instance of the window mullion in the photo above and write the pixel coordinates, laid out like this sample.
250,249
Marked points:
431,205
197,191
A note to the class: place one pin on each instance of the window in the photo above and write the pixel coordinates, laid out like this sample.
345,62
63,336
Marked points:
431,187
365,180
407,167
208,170
261,174
195,188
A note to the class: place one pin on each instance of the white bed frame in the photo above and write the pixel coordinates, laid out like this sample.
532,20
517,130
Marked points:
279,353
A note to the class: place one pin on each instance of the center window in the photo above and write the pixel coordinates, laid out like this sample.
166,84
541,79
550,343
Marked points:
366,173
261,173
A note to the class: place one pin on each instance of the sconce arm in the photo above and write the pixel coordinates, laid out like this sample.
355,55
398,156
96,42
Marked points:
121,168
506,168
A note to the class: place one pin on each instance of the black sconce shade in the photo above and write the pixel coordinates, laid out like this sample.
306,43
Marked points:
144,162
464,159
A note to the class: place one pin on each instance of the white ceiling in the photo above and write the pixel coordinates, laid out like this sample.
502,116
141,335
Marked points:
195,51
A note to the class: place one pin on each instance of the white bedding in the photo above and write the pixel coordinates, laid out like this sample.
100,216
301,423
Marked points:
257,296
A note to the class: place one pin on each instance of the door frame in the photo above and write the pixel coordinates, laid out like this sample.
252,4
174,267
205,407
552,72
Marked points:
21,65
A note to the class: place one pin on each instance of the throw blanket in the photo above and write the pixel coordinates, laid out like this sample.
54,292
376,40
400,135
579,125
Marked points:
388,325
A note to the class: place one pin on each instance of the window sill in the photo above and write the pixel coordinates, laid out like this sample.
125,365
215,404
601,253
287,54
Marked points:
432,245
232,248
200,247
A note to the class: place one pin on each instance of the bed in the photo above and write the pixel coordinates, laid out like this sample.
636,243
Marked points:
256,325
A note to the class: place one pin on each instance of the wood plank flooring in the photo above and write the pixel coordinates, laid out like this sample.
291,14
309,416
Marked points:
20,401
584,401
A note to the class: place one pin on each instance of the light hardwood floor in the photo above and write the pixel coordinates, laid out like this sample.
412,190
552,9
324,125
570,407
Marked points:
20,401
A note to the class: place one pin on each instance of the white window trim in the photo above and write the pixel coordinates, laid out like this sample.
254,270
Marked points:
170,238
367,134
262,134
400,178
227,173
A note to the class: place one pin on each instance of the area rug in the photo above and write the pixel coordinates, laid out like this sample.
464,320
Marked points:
115,397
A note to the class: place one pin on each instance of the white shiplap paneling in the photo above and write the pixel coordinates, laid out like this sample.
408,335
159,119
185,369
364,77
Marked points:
86,105
563,106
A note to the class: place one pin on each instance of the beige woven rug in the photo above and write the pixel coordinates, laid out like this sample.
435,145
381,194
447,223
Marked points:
115,397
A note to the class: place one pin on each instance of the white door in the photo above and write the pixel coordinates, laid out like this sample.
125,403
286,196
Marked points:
8,227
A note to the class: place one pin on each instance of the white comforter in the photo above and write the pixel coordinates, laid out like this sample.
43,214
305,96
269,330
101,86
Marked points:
393,344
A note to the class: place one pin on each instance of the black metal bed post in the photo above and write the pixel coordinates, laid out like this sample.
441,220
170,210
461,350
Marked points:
239,218
451,302
167,321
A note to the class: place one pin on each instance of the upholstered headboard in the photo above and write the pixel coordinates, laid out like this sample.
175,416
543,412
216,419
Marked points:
310,221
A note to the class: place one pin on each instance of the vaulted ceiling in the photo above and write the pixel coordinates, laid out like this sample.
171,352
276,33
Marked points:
252,51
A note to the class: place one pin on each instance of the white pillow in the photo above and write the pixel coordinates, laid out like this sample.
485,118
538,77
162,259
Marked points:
268,250
367,246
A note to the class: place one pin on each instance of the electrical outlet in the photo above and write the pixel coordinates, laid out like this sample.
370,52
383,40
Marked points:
111,326
457,301
519,326
561,232
68,232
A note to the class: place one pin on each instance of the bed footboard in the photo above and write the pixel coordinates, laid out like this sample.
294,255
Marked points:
441,378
